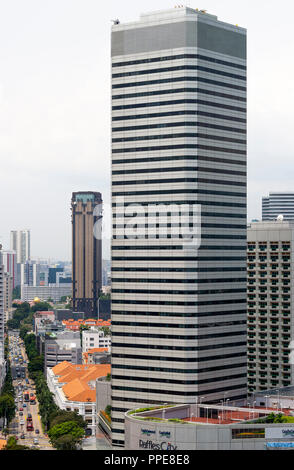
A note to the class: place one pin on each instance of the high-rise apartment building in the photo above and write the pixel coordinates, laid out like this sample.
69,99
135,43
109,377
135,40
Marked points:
9,262
20,241
278,204
178,143
86,251
2,314
270,304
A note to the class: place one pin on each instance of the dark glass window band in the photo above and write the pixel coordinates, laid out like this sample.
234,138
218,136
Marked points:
180,146
150,60
178,90
179,136
182,112
179,67
175,102
165,125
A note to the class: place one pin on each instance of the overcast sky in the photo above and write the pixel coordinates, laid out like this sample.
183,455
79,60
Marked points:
55,106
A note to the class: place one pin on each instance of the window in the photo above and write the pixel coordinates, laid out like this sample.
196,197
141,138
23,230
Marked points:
243,433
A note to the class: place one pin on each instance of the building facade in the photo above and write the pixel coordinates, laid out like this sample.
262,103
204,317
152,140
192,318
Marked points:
86,251
95,338
178,148
54,292
278,204
20,242
270,304
2,314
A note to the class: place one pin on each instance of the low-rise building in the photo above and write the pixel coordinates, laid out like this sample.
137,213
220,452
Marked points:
54,292
65,346
74,389
97,356
205,427
95,337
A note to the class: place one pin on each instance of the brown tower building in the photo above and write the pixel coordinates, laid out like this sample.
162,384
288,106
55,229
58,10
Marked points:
86,209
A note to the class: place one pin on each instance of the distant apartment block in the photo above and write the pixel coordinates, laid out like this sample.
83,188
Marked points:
54,292
20,242
9,262
281,203
270,304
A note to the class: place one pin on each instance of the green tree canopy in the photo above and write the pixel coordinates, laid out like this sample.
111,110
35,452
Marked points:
69,428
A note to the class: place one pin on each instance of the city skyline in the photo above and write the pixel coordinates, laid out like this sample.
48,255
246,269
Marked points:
51,120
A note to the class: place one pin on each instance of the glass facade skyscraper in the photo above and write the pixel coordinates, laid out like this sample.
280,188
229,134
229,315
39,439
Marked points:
178,149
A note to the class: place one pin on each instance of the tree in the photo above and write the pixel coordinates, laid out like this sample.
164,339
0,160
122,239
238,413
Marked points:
7,406
66,442
69,428
62,416
13,445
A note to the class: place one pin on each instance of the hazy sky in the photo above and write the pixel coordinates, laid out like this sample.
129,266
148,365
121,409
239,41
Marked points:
55,106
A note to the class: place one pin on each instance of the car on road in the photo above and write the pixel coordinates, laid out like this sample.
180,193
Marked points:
22,436
36,440
20,413
37,431
21,422
21,409
24,405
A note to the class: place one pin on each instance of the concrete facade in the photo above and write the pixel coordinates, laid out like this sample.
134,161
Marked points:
159,433
270,304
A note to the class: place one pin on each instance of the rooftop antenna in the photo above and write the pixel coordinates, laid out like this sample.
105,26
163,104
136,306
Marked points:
116,21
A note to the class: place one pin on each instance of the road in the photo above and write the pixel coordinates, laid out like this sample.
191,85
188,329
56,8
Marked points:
22,383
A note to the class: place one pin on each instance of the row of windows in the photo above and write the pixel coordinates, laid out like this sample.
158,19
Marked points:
180,269
177,237
186,304
180,101
178,371
180,146
178,281
179,180
134,210
171,392
178,258
181,359
182,326
177,57
177,292
179,124
180,191
178,247
185,202
182,112
179,67
179,348
176,314
178,136
180,337
175,158
189,78
178,90
173,381
169,225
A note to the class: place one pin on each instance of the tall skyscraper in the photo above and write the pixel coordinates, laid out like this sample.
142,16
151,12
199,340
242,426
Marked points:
86,209
20,241
270,304
178,142
278,204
